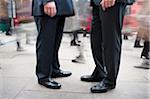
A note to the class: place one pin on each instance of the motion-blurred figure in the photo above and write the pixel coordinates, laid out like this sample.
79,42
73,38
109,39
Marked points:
74,25
144,28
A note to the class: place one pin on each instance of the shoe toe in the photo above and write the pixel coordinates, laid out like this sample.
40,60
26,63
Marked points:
50,84
98,89
66,72
84,77
62,74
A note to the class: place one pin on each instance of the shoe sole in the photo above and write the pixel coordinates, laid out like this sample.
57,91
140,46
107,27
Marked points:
60,76
74,61
102,91
50,87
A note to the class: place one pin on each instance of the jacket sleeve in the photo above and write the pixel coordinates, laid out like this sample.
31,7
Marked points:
46,1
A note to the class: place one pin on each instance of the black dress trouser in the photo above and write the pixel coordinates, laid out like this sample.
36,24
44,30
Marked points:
50,31
106,40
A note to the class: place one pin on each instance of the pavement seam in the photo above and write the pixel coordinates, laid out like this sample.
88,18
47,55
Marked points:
20,91
58,91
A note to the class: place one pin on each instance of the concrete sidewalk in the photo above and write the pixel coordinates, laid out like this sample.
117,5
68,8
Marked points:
18,80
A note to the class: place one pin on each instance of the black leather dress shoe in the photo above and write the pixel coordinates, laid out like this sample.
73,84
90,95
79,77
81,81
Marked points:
61,74
102,87
50,84
89,78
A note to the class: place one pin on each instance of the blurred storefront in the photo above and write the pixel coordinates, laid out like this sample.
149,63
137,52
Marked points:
3,15
3,9
19,11
23,10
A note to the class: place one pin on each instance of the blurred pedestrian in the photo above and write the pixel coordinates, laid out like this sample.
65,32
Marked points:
106,41
138,6
50,17
73,24
16,30
144,28
137,43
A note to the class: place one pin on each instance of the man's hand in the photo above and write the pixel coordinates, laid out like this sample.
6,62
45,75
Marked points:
107,3
50,9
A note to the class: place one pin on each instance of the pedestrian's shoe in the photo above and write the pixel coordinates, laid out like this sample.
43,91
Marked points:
145,51
125,37
79,59
89,78
50,84
102,87
19,49
145,64
61,74
137,44
73,43
8,34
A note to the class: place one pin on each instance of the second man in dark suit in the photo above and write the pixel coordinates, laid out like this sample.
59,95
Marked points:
106,42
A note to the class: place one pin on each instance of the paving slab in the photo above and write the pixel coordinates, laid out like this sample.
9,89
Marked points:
52,95
10,87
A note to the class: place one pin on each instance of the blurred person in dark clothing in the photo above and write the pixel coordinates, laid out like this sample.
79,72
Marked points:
137,43
7,23
50,16
106,41
144,28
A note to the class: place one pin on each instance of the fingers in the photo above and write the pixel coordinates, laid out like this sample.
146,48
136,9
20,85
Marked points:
107,3
102,4
50,9
113,2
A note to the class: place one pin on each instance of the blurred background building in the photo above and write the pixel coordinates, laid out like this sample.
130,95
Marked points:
17,10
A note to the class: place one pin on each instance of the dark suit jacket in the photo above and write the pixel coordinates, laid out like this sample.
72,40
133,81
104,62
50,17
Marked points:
64,7
128,2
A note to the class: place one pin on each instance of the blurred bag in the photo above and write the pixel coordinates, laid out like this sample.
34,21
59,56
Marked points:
65,7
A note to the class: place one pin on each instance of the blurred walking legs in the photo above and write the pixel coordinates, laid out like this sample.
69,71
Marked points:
81,57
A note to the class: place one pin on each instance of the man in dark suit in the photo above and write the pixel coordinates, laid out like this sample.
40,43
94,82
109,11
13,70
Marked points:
106,42
49,17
